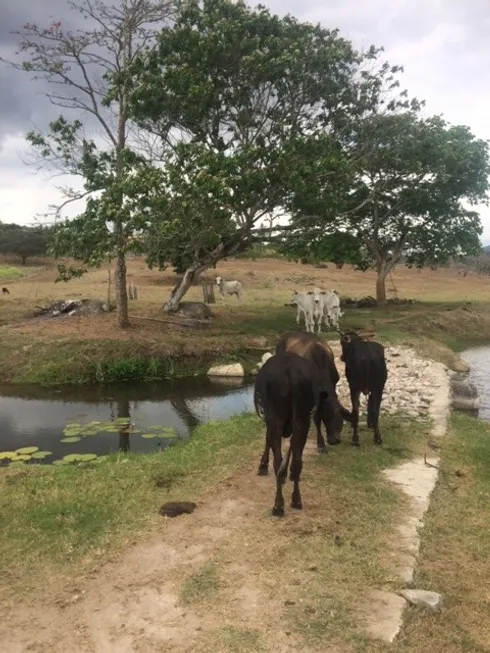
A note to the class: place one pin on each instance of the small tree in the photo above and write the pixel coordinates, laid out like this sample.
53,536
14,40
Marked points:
247,94
76,65
408,183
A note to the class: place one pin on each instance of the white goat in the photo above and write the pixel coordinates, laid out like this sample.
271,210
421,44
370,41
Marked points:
229,288
304,303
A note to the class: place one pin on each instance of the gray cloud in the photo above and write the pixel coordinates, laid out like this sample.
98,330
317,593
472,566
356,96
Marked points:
443,45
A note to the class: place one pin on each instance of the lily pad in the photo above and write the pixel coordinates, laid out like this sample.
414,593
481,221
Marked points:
7,455
150,436
72,457
27,450
22,456
70,440
17,463
87,457
59,463
40,455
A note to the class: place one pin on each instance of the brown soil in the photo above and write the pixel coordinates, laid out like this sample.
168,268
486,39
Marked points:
134,604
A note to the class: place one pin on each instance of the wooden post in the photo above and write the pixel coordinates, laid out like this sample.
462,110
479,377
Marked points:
205,297
130,291
135,292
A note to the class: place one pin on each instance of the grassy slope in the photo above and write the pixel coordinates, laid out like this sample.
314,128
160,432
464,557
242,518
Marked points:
74,350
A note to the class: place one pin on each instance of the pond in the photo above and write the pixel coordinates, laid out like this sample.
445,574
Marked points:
91,421
478,359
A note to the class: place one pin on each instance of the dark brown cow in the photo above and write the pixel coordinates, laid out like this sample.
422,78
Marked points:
330,411
286,394
5,291
366,372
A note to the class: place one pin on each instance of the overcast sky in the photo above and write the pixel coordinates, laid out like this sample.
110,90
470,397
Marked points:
443,45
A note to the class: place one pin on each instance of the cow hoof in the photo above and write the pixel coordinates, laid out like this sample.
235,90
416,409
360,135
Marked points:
378,442
277,512
263,472
297,506
321,449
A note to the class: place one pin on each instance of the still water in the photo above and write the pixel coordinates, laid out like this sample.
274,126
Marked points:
31,416
479,361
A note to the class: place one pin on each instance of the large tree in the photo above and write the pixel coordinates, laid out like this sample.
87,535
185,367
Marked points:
75,64
247,95
409,188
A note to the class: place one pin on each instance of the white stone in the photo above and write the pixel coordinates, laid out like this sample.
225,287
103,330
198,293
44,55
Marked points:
266,357
235,369
385,611
430,600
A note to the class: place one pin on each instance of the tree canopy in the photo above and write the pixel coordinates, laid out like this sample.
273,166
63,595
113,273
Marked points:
410,188
237,97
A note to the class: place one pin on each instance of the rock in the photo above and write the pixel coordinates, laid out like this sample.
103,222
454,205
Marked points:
266,357
232,370
464,395
194,310
424,598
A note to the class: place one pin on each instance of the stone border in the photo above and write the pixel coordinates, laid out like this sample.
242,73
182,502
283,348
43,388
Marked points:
417,479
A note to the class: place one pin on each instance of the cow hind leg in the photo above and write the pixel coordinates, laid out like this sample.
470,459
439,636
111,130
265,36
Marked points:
376,403
264,461
321,447
355,398
281,474
296,467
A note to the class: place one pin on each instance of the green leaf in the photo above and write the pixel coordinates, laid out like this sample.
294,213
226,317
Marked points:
40,455
27,450
70,440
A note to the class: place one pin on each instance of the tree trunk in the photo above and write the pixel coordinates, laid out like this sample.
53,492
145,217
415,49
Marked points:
121,291
191,275
381,290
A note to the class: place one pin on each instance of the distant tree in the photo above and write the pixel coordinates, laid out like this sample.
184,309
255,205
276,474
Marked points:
246,94
24,242
407,186
76,65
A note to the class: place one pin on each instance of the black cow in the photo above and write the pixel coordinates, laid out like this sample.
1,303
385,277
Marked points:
366,372
285,397
330,411
5,291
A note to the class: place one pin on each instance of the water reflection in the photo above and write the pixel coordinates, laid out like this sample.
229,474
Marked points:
35,416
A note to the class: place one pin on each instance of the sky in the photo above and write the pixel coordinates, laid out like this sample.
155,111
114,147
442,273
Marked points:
442,44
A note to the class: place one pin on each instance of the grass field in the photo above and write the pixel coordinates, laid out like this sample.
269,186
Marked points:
450,310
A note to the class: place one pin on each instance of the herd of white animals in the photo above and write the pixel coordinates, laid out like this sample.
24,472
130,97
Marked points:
317,306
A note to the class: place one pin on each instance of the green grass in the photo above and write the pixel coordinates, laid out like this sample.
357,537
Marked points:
52,517
10,272
455,551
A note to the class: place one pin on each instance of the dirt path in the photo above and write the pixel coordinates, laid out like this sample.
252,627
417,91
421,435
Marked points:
137,604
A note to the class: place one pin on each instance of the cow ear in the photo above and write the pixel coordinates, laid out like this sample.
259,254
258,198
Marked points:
310,292
346,339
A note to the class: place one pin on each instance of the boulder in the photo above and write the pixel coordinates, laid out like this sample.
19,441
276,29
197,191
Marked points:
430,600
232,370
194,310
266,357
